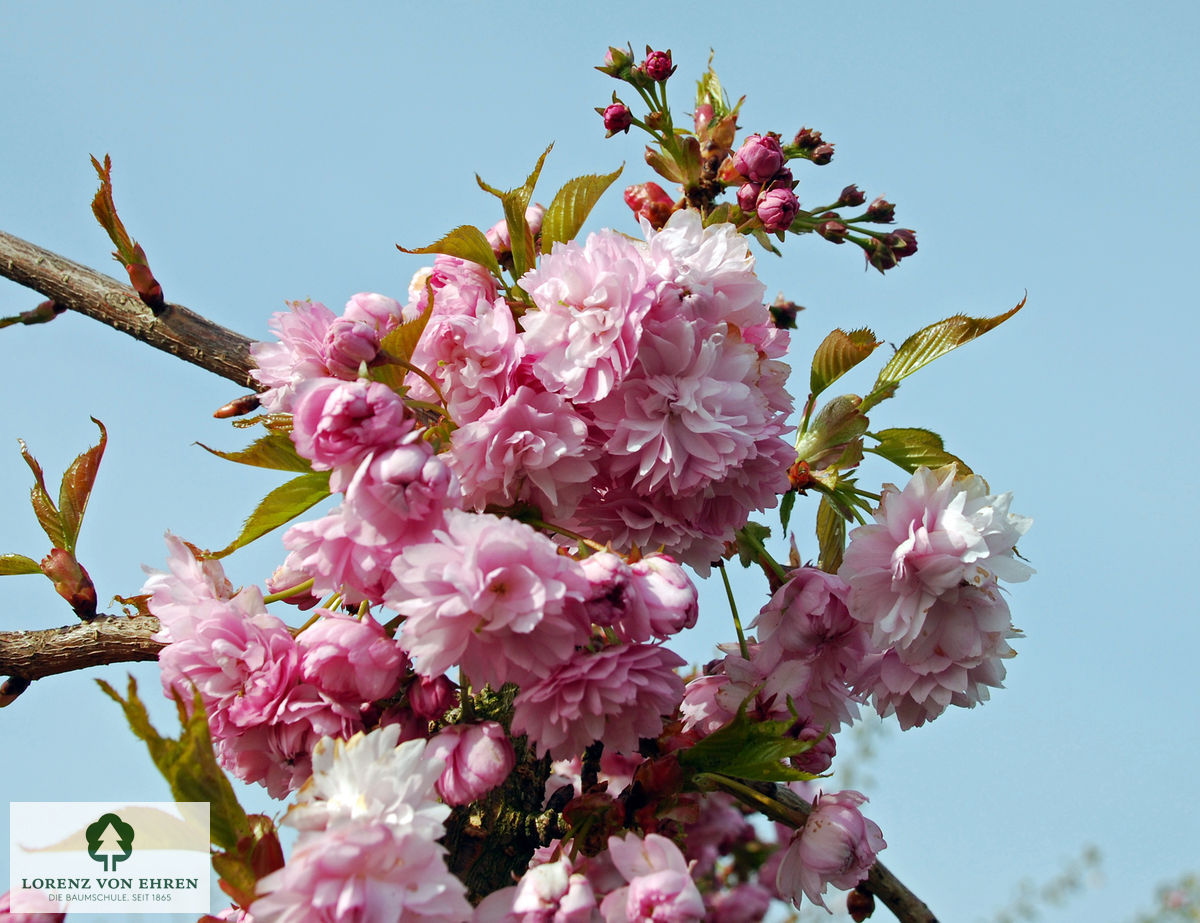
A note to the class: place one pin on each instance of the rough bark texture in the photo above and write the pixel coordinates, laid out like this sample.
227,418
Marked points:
31,655
176,330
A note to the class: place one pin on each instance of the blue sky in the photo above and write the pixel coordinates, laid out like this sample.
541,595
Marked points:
1046,148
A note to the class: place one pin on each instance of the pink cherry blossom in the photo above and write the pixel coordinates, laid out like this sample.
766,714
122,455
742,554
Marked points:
298,356
492,595
617,695
478,757
341,422
531,448
350,659
329,550
553,892
189,591
591,300
836,845
659,887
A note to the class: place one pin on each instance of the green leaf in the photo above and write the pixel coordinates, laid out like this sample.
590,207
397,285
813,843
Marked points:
748,540
274,450
831,537
13,564
76,489
402,342
839,353
785,508
571,206
748,749
521,237
764,241
43,506
465,242
188,764
928,344
710,92
839,423
912,448
281,505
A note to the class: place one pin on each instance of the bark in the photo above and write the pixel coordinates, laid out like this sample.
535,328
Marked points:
30,655
177,330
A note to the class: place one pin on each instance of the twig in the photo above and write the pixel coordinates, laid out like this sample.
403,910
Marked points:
176,330
782,804
31,655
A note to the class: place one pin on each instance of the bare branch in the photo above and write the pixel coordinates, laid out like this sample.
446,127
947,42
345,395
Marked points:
30,655
176,330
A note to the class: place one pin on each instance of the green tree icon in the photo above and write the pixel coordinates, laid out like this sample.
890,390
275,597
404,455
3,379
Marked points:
110,840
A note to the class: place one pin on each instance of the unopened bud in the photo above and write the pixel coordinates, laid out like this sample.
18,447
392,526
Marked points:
881,211
617,117
617,62
879,254
860,904
777,209
807,139
784,312
759,158
702,116
821,154
902,242
650,201
747,196
851,196
657,65
71,582
654,120
833,230
238,407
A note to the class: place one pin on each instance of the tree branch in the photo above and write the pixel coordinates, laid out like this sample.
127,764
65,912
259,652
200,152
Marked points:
780,803
30,655
176,330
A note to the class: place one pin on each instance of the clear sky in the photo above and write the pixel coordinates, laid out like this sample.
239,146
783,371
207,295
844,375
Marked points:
1040,147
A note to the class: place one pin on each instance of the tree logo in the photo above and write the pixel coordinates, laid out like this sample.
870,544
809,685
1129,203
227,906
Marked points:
110,840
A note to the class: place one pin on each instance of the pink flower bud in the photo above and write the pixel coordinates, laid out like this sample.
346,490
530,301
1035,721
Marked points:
881,211
903,243
777,209
747,196
836,845
348,344
286,577
380,311
851,196
432,697
617,117
657,65
338,422
478,758
668,595
702,116
759,158
833,231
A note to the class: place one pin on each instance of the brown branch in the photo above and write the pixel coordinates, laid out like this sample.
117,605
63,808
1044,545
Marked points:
30,655
782,804
176,330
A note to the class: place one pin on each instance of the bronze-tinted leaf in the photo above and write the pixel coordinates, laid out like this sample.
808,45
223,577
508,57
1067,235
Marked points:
839,353
76,488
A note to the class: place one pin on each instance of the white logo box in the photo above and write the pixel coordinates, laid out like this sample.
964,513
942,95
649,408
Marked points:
109,857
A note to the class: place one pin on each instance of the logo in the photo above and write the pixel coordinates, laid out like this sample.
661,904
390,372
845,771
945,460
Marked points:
110,840
109,857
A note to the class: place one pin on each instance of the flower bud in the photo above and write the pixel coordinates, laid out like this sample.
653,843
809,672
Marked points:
650,201
836,845
777,209
747,196
881,211
348,344
807,139
432,698
833,230
784,312
617,117
850,197
880,255
759,158
478,757
903,243
821,154
702,116
286,577
860,904
617,63
657,65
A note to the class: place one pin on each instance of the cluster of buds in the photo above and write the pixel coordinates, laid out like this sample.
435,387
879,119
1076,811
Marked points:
706,163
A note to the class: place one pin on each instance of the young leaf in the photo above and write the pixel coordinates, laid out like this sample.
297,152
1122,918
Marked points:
928,344
402,341
76,488
188,764
129,253
466,243
43,506
839,353
831,537
12,564
748,749
281,505
571,206
785,508
912,448
274,451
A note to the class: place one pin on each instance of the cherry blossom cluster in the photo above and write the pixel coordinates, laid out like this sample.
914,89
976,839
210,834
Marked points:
521,471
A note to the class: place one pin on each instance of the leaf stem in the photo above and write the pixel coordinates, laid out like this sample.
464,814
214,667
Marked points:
289,592
737,622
